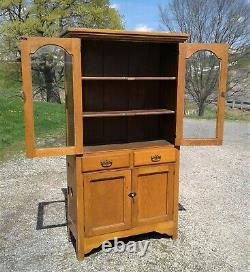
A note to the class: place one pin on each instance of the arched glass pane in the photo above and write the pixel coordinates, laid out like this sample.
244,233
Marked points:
51,83
201,95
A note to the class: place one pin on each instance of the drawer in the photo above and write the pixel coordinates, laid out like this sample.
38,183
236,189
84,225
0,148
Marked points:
107,160
154,156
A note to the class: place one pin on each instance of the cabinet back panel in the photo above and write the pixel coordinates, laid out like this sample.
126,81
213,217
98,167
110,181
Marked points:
93,131
116,130
114,58
92,58
126,95
115,95
92,95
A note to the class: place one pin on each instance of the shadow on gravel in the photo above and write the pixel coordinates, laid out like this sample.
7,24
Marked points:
181,208
41,216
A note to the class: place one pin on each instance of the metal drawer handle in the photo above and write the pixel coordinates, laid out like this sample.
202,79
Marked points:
155,158
106,163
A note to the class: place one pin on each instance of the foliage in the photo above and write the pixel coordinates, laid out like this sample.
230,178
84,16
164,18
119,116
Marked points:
209,21
10,83
48,18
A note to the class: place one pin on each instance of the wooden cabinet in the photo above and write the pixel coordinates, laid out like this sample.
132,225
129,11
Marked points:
113,199
124,103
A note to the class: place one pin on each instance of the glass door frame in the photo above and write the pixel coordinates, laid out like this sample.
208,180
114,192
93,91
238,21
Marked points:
186,50
73,47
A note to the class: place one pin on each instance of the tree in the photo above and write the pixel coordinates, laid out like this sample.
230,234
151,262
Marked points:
48,18
208,21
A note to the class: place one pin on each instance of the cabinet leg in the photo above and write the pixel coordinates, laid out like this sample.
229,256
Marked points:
79,255
175,234
79,250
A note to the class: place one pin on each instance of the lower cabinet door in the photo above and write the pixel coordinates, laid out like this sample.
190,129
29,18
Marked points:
154,198
106,201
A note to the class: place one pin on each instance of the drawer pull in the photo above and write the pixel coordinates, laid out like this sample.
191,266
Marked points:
155,158
106,163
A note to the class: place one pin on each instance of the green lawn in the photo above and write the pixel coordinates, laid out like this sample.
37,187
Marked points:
243,63
210,113
49,120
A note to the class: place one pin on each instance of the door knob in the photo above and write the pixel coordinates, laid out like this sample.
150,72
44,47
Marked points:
132,194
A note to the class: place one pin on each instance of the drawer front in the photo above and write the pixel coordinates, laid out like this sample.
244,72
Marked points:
105,161
154,156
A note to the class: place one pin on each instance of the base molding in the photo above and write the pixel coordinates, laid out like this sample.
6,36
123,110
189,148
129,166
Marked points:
169,228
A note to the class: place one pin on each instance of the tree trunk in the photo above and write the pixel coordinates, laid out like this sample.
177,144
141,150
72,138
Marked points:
201,108
51,94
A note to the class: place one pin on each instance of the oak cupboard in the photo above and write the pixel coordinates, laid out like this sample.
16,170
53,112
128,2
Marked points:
125,104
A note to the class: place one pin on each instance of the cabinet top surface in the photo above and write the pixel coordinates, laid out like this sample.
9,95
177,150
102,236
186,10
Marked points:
124,35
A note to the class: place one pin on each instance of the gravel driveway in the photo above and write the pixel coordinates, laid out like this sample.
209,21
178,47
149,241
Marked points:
213,230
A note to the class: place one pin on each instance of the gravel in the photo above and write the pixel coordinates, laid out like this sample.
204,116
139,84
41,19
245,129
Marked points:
213,230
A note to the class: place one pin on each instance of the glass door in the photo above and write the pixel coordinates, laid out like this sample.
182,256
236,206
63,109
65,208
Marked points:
202,78
51,73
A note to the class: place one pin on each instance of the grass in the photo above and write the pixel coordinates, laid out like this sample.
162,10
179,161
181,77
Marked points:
210,113
243,63
49,120
237,115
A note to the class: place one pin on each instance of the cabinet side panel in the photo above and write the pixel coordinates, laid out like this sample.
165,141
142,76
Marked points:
176,191
71,190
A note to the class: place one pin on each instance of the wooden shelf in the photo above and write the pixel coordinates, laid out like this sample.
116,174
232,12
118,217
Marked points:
128,78
126,113
134,145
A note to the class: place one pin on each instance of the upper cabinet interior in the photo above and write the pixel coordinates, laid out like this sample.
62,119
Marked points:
128,59
129,91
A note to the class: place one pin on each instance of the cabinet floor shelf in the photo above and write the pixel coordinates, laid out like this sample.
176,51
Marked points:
131,145
126,113
128,78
